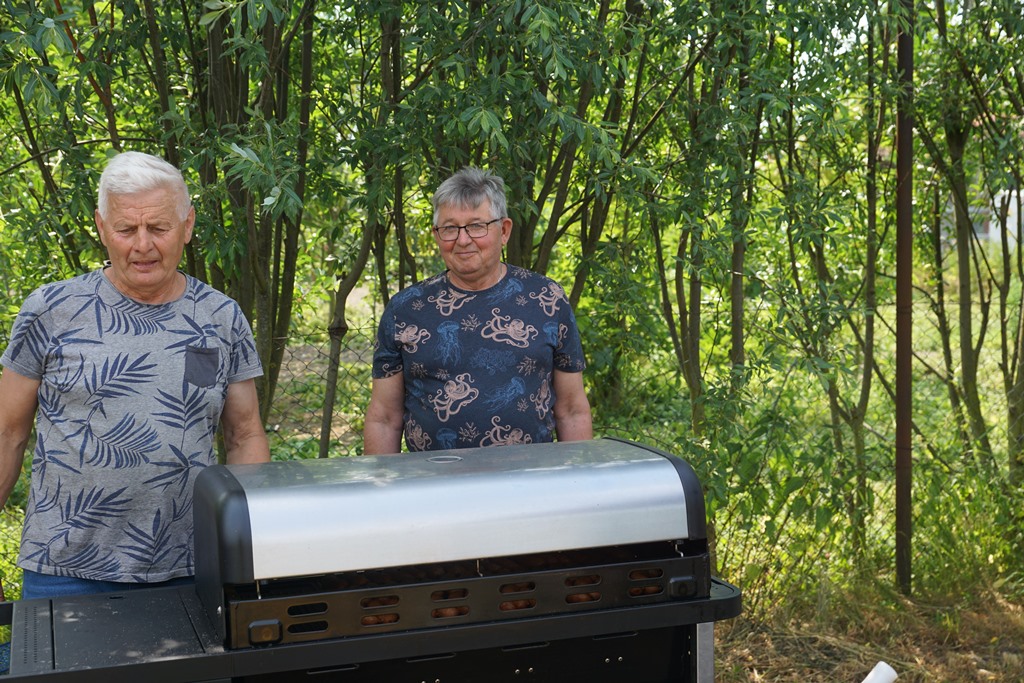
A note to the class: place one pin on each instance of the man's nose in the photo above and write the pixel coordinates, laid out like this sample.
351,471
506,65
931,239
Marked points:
143,239
464,237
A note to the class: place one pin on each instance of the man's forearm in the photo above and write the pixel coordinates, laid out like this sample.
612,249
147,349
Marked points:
577,427
381,439
17,408
254,448
11,457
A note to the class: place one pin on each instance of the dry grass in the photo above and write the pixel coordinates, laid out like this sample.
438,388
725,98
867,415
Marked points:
980,641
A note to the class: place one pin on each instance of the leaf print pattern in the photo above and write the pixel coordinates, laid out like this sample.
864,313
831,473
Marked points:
149,546
28,335
92,509
126,445
118,377
183,413
124,316
52,456
94,558
194,335
178,471
120,435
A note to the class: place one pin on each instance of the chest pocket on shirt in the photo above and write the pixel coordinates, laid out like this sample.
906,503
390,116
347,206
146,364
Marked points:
201,366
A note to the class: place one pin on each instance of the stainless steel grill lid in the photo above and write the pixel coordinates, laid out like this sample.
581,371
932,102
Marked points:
302,518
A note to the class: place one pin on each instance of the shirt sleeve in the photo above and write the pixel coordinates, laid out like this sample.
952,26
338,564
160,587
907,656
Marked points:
245,360
387,355
569,352
26,352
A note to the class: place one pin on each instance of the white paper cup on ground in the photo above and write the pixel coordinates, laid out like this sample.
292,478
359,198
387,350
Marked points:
882,673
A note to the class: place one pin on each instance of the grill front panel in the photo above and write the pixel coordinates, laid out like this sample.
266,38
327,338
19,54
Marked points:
445,594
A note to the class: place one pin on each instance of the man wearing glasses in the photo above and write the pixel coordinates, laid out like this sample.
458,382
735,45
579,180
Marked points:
483,354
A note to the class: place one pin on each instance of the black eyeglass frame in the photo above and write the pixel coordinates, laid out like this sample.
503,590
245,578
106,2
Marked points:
480,228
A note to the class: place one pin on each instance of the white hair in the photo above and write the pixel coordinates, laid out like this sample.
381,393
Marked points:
131,172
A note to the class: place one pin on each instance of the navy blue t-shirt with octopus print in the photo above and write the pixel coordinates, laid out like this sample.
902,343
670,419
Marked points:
478,365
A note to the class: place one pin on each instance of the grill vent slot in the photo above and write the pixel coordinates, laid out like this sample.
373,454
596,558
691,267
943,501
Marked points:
450,594
379,601
379,619
651,585
644,574
307,609
576,598
515,605
583,596
308,627
521,587
449,612
586,580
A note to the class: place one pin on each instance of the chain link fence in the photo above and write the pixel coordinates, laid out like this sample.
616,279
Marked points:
296,419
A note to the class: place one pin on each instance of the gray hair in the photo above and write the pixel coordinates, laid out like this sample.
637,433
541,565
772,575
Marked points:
131,172
468,188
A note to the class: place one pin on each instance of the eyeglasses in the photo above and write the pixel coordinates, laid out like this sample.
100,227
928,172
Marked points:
450,233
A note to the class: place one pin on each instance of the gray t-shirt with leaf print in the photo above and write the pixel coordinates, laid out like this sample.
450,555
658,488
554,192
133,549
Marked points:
129,404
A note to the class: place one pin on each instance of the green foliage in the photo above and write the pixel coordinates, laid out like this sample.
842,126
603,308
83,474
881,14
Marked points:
10,538
642,143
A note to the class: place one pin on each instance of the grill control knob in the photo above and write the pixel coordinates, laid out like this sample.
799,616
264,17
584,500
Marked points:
264,632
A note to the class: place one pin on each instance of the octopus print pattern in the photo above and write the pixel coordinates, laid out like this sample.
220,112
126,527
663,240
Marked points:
478,365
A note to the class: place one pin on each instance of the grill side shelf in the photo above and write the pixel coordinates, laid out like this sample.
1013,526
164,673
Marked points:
32,637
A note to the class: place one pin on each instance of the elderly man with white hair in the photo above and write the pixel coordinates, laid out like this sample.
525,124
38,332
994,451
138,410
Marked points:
128,372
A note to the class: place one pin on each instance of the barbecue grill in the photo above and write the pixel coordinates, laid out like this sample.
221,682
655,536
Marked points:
579,561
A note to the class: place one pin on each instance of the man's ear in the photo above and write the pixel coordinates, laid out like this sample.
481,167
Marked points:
99,227
190,223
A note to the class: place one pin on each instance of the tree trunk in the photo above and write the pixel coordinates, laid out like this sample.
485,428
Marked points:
957,133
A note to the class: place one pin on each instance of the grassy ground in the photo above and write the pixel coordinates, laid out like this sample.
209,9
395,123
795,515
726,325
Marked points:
981,639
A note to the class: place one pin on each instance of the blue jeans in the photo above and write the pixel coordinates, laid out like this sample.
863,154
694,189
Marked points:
36,585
